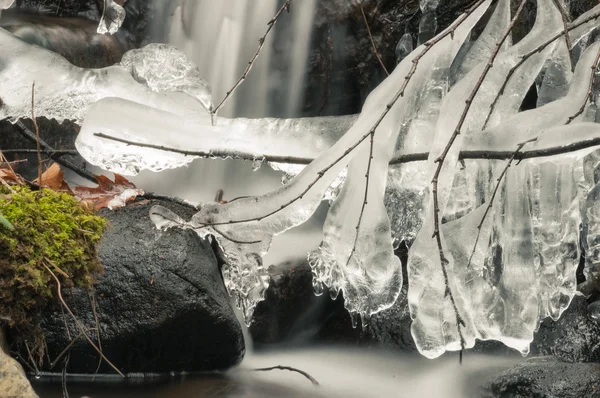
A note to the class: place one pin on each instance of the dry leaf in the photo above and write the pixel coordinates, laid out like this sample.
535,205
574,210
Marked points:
111,194
10,176
53,178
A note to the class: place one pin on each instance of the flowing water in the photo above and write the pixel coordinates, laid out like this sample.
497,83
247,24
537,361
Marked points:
342,373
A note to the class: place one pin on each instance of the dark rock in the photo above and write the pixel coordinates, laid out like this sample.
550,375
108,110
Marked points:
546,377
292,313
161,303
575,337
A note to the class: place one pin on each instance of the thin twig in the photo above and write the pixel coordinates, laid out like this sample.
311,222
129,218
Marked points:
79,326
525,57
291,369
364,203
588,96
566,21
67,349
362,10
440,163
491,200
93,305
37,133
25,132
59,152
261,42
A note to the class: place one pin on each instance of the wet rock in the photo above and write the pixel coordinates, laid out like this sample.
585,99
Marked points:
546,377
161,303
575,337
13,382
292,313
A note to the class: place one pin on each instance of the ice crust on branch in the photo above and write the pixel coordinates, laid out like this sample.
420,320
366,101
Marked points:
511,234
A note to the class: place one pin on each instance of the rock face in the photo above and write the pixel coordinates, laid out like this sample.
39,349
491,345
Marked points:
575,337
13,382
547,378
161,303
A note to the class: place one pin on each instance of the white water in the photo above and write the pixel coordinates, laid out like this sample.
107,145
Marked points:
342,372
221,37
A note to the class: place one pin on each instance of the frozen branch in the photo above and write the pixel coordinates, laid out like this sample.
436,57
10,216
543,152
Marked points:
588,96
566,21
440,163
482,154
525,57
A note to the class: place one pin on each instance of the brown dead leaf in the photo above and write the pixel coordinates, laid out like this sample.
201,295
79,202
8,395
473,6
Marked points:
53,178
111,194
10,176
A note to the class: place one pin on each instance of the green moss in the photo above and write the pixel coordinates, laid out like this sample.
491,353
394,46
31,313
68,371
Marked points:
52,229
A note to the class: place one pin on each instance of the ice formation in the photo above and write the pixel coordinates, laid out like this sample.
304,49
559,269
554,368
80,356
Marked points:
507,271
113,16
164,68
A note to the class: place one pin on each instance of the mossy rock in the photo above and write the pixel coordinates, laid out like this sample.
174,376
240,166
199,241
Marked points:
51,231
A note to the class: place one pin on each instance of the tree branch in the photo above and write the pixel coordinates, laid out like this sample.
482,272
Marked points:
482,154
566,21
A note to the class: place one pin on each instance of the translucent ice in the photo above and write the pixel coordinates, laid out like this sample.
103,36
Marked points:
164,68
113,16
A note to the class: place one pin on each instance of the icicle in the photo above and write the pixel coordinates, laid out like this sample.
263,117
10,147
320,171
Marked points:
113,16
404,47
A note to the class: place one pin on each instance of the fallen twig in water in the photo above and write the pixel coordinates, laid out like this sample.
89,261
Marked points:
279,367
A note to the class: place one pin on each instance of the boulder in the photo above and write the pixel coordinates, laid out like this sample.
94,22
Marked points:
161,303
546,377
13,382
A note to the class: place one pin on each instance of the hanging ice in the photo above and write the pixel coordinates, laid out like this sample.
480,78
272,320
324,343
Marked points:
404,47
522,268
113,16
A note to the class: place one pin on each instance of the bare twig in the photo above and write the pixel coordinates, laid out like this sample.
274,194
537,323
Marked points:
362,10
364,204
61,152
291,369
440,163
491,200
51,153
525,57
588,96
67,348
37,133
79,325
566,21
261,42
93,305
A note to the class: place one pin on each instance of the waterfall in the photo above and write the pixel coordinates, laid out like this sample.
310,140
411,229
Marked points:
221,37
